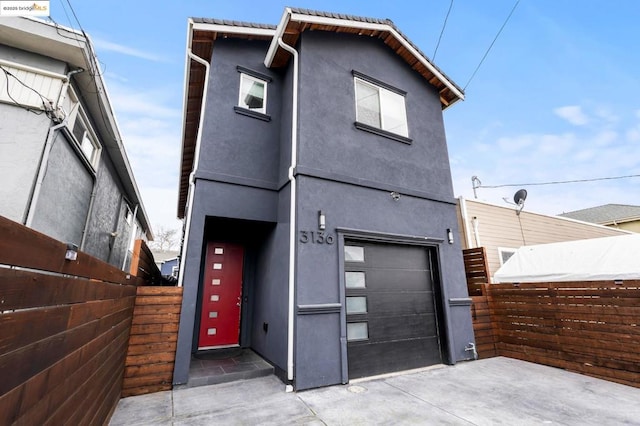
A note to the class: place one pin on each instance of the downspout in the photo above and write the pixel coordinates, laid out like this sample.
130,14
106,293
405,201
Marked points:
86,222
465,224
42,170
292,210
131,234
196,161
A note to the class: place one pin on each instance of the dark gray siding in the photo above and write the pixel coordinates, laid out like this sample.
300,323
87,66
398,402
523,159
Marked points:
22,139
63,204
329,140
318,272
234,144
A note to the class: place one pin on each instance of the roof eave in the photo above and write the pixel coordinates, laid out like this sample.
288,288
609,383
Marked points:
290,16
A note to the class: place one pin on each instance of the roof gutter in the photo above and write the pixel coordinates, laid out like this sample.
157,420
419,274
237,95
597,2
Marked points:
196,155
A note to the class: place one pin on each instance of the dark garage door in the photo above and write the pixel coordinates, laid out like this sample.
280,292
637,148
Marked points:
390,302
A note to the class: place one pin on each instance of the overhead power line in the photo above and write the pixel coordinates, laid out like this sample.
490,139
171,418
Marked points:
492,43
433,58
557,182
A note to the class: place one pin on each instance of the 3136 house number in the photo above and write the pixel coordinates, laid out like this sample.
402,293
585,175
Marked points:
316,237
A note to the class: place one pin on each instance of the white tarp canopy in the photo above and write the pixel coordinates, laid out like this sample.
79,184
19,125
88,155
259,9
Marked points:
607,258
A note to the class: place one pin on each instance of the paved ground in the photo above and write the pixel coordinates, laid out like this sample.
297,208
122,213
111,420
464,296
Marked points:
495,391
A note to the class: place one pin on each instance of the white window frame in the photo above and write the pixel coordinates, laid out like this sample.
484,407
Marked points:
246,77
382,93
88,139
502,250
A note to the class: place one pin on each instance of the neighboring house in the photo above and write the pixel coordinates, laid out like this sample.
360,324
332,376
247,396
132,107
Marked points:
318,197
167,262
63,166
620,216
501,231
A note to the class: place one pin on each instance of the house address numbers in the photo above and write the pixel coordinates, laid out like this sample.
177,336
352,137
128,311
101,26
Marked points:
316,237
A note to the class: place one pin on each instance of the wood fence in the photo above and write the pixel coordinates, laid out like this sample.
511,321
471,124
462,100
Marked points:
64,327
153,340
590,327
143,264
483,327
476,269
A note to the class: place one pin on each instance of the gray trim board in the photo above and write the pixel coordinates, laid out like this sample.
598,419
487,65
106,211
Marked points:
364,183
389,238
383,133
252,114
237,180
253,73
460,301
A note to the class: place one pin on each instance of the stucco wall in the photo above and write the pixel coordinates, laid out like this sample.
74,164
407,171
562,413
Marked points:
63,204
328,138
22,139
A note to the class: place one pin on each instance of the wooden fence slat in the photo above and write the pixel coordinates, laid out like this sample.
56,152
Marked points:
587,327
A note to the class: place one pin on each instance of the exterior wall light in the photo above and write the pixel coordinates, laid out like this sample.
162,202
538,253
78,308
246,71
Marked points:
322,221
72,252
450,235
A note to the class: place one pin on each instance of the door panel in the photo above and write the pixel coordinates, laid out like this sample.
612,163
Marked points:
221,296
391,314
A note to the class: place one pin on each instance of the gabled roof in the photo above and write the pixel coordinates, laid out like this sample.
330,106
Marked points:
295,21
607,214
202,33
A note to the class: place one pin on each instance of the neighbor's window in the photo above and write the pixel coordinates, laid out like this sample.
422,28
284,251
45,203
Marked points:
380,108
505,254
85,138
253,93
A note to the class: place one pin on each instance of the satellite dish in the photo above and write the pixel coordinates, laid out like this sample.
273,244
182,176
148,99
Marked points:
520,196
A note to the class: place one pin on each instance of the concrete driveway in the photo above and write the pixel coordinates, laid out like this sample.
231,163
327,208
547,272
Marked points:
495,391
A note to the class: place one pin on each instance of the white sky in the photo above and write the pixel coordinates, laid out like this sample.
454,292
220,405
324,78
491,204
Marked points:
557,98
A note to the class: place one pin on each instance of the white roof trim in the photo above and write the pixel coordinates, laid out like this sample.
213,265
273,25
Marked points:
297,17
271,53
232,29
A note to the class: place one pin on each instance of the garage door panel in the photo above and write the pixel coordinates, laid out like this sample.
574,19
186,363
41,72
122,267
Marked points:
391,314
394,280
406,303
368,359
401,327
393,257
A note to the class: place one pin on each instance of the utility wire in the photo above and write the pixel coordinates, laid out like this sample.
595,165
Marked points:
442,31
557,182
492,43
8,74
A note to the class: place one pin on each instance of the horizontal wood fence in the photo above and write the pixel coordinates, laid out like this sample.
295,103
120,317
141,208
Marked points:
590,327
143,264
153,340
64,327
476,269
483,327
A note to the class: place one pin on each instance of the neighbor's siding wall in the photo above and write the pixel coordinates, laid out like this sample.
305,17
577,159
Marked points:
628,226
500,227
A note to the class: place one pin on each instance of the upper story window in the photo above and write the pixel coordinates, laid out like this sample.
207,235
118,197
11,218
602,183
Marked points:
85,138
253,93
380,107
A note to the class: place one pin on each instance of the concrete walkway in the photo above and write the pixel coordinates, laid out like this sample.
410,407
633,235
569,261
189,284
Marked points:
495,391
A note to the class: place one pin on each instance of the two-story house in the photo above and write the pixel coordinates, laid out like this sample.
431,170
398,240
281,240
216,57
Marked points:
315,183
63,165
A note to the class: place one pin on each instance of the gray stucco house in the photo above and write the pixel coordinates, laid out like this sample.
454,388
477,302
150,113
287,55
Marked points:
63,166
321,226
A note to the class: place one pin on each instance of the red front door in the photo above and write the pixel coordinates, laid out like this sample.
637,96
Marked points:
221,296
